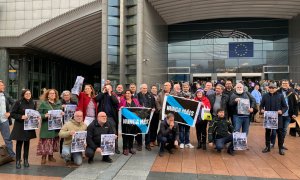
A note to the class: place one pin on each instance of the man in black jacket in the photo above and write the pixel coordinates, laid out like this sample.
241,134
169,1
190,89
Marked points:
5,103
108,103
291,100
146,100
168,134
274,101
93,139
218,100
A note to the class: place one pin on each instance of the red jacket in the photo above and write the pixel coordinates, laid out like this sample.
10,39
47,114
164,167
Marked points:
205,102
83,102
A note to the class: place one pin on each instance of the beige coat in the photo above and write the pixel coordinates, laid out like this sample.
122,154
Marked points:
71,125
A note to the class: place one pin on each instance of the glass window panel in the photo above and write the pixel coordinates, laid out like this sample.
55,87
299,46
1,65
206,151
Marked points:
179,56
113,59
179,77
180,63
113,11
178,43
201,66
113,30
113,20
113,50
204,56
113,40
179,49
280,46
113,2
202,48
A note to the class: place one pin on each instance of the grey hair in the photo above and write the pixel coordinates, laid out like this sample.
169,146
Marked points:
65,92
169,115
142,85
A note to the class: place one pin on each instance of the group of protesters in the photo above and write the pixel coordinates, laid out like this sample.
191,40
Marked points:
102,109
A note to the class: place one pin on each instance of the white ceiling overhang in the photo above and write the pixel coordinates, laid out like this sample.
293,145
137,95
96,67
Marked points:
178,11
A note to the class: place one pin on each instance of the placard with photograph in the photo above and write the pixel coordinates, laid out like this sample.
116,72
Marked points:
55,119
240,141
32,121
243,106
69,112
78,141
108,144
271,119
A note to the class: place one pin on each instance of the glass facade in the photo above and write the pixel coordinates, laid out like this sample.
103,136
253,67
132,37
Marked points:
203,46
38,70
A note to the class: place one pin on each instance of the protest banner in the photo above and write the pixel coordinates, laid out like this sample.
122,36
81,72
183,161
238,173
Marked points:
55,119
108,144
243,106
185,110
69,112
135,120
32,121
239,141
78,85
78,141
270,120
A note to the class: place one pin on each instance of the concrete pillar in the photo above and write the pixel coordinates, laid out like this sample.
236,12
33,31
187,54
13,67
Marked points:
140,43
122,41
104,47
214,77
4,62
239,77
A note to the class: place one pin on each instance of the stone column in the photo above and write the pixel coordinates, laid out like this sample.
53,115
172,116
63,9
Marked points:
122,41
104,51
140,43
23,74
4,62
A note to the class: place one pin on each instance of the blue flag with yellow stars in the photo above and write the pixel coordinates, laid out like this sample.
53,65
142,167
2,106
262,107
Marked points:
240,49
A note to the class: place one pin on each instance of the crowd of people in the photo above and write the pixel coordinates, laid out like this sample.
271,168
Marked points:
221,98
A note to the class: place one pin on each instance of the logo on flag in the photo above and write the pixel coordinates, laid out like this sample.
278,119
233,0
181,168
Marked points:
240,49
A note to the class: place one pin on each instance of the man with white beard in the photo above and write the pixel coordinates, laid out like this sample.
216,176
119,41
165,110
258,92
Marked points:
241,120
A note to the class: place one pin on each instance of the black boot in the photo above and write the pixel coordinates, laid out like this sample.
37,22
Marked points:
204,146
18,164
267,149
281,151
199,145
26,164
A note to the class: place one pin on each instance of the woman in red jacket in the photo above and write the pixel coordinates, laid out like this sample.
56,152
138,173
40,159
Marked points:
87,103
201,125
128,101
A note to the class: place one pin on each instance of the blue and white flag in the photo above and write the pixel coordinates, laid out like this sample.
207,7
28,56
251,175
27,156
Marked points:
185,110
240,49
135,120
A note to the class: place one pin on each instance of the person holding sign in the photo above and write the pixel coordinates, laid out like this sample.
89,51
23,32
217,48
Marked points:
168,135
66,132
243,103
18,133
49,140
201,125
128,101
93,139
274,101
219,132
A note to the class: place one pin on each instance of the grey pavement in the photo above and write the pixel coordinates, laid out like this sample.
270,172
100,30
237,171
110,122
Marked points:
132,167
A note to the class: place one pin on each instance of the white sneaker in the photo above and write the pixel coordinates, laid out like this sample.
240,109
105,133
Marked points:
189,145
181,146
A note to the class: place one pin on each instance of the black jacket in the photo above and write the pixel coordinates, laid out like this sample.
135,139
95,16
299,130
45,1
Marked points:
165,130
245,95
274,102
94,132
146,100
8,102
219,128
224,102
18,110
108,104
292,101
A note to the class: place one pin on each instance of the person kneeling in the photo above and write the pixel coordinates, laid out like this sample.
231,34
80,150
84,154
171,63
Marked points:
220,131
168,134
93,139
66,132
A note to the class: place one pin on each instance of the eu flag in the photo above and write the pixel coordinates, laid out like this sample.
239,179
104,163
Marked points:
240,49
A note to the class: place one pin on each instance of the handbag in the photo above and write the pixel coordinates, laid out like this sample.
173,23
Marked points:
205,114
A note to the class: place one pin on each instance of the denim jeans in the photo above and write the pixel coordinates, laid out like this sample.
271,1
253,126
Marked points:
285,122
222,141
5,132
241,122
184,134
66,154
164,141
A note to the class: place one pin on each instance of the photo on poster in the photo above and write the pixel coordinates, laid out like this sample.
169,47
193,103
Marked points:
108,144
243,106
55,119
78,85
32,121
239,141
78,141
270,120
69,112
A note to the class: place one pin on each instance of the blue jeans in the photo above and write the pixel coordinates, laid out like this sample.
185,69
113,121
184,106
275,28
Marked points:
285,122
5,132
241,122
222,141
184,134
66,154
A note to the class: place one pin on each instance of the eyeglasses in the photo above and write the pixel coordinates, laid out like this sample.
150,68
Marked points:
271,88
